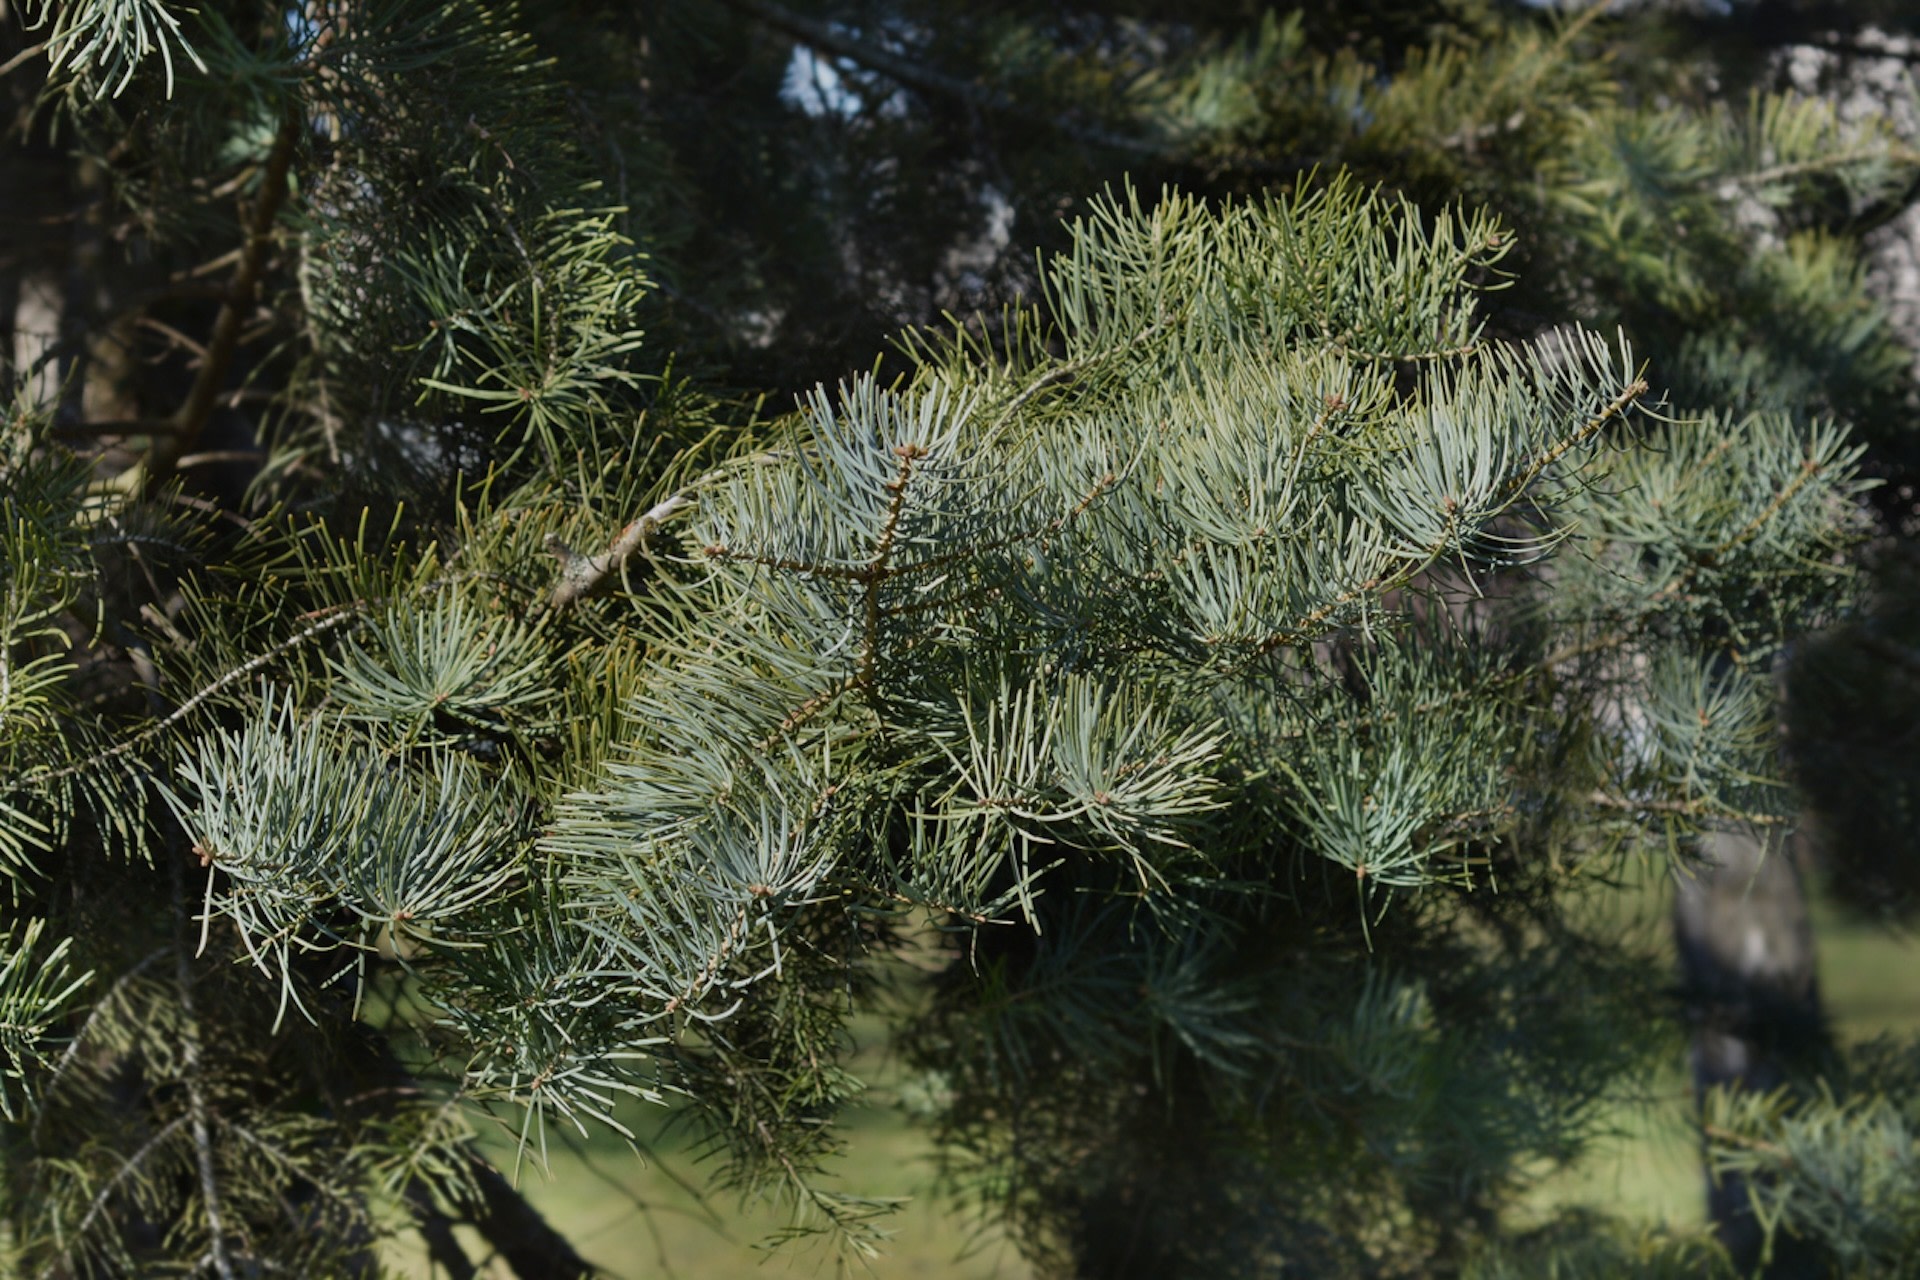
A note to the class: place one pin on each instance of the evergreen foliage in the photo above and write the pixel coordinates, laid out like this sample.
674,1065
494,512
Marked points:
1242,659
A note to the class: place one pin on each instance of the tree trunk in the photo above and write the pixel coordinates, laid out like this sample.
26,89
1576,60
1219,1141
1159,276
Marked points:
1753,999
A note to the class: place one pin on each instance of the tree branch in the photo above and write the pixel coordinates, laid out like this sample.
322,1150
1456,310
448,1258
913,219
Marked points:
23,57
163,457
337,616
131,1167
925,79
581,576
197,1110
1682,808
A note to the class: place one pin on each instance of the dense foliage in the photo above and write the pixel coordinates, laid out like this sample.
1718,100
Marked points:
454,659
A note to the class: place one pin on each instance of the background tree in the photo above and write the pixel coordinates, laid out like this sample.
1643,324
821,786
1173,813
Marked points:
1248,646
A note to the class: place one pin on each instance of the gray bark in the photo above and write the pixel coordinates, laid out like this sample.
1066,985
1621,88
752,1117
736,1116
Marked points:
1752,993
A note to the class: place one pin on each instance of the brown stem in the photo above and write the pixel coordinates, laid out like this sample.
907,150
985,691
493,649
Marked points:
1682,808
582,575
337,616
1729,1138
877,567
163,457
23,57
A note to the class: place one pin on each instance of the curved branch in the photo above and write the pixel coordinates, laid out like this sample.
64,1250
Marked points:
582,575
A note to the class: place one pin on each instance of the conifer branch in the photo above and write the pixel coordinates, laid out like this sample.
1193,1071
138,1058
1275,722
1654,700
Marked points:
72,1053
1426,557
1007,713
1580,649
337,616
1809,467
810,569
1560,448
812,707
1066,372
883,549
1309,625
1430,356
1733,1138
709,971
1683,808
130,1168
931,904
1803,168
23,57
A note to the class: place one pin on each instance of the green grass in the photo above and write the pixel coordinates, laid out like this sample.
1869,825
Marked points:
639,1219
1869,977
1648,1169
652,1216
